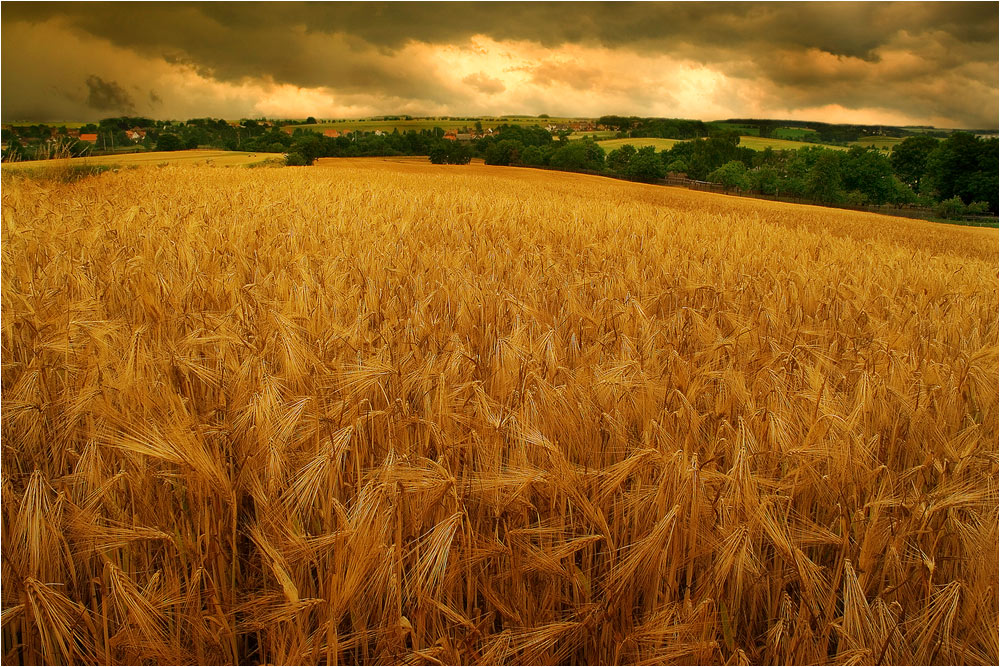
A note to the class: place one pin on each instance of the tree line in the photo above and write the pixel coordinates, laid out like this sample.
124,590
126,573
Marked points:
956,175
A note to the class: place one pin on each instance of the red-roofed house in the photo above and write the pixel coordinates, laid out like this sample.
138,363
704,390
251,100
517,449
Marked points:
451,136
92,138
331,133
136,134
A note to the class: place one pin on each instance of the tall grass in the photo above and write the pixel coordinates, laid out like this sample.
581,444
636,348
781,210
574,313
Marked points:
394,413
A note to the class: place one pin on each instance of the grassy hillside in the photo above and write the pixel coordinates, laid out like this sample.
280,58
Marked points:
387,412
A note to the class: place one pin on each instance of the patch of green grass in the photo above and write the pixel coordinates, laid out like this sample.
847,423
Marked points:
881,143
759,144
749,130
71,125
602,135
660,144
794,133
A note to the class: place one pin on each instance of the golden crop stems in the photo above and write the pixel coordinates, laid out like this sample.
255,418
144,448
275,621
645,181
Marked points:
383,411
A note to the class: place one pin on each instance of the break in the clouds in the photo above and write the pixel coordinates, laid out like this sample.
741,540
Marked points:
900,63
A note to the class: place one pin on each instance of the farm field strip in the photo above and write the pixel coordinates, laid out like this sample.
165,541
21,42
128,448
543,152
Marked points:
759,144
881,143
427,124
756,143
197,156
382,411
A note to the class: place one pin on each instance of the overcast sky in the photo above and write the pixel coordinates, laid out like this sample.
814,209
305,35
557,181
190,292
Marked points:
892,63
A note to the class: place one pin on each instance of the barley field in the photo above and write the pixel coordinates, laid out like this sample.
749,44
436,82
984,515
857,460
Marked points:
380,411
197,156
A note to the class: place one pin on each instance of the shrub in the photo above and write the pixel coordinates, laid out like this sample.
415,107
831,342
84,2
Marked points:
296,159
169,142
978,208
677,166
950,209
733,174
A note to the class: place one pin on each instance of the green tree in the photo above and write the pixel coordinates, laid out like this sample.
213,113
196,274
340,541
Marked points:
964,166
868,172
823,181
677,166
900,193
619,158
309,145
909,158
169,142
504,153
765,179
296,159
733,174
645,166
438,155
450,152
583,154
532,156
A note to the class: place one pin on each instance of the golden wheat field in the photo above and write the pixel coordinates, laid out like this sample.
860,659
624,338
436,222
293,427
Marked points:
386,412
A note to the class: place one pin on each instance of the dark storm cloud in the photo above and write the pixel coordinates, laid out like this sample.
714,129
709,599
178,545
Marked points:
808,53
108,96
217,31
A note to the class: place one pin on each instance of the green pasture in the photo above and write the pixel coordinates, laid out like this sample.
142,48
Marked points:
69,125
660,144
881,143
743,129
794,133
602,135
759,144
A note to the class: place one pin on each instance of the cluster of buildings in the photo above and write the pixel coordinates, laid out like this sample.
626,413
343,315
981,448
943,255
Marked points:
135,135
467,136
576,126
